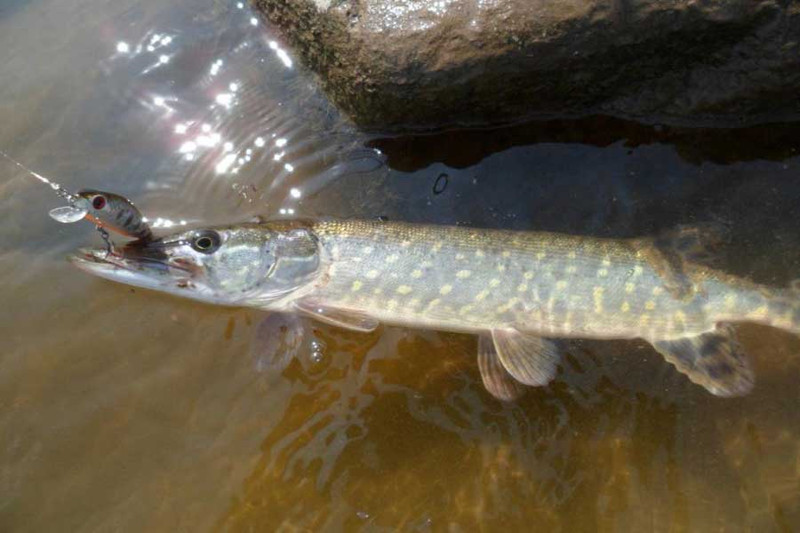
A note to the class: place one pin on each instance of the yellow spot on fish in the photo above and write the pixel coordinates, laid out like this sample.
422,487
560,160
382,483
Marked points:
568,320
356,286
405,244
433,303
528,275
644,319
506,253
404,289
437,246
760,312
625,307
561,285
606,262
650,305
508,305
481,295
368,250
501,268
541,255
603,272
637,270
494,282
445,289
680,316
377,291
466,309
597,292
413,302
392,258
657,291
391,304
459,257
416,274
462,274
629,287
730,301
479,253
522,287
571,269
571,255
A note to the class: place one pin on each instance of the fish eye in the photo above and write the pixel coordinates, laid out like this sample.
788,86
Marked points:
99,202
206,242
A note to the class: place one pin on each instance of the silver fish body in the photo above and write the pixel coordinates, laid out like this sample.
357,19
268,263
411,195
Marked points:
519,290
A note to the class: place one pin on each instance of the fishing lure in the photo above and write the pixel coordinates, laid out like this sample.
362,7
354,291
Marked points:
107,211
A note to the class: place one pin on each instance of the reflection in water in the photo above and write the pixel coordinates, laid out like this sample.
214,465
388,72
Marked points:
123,409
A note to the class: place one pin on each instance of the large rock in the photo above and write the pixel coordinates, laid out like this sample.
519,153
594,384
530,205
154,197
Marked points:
431,63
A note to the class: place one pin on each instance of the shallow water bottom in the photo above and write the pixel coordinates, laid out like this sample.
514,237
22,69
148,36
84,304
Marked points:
127,410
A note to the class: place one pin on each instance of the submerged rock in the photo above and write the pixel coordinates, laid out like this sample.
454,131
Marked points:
431,63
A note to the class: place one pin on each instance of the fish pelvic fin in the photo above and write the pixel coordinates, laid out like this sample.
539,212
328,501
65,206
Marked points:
340,318
529,359
714,360
495,377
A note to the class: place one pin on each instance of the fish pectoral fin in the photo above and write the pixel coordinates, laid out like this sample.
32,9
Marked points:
714,360
342,318
529,359
495,377
277,340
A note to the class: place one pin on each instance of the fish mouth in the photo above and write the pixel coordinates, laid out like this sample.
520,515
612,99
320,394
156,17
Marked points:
130,266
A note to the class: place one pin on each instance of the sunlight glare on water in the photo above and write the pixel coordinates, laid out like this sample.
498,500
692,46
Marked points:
123,409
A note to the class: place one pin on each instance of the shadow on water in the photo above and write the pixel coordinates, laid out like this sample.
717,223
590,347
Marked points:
139,411
465,148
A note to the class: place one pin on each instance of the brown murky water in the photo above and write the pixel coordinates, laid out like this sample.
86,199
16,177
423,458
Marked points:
125,410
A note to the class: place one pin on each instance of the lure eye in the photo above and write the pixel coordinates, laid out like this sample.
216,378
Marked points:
206,242
98,202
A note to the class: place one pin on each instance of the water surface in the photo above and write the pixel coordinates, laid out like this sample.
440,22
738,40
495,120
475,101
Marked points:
122,409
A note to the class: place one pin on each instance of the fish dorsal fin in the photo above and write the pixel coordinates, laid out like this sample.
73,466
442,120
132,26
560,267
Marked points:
693,243
794,286
529,359
670,253
495,378
714,360
342,318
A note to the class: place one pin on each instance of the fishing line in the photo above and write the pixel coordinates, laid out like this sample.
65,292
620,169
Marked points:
59,190
65,214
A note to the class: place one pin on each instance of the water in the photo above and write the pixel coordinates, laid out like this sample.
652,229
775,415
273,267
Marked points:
122,409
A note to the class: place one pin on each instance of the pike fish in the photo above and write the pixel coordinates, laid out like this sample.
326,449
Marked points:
521,292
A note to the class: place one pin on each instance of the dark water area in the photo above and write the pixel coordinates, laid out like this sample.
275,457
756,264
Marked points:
127,410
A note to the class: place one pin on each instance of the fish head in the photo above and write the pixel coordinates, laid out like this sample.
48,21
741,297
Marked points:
248,265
